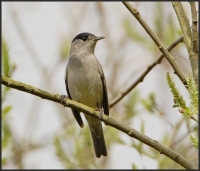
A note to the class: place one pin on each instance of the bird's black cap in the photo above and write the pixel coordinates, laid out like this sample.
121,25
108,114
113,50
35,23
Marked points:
83,36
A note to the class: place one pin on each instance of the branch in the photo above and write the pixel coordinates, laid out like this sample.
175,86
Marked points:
108,120
195,43
190,39
184,23
157,41
141,77
182,137
195,119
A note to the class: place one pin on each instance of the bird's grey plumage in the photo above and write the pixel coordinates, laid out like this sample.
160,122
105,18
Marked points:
85,83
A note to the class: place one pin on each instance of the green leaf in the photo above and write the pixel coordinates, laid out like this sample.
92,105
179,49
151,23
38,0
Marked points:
131,32
175,105
6,135
4,160
194,141
5,58
5,111
171,32
4,92
149,103
130,105
60,152
142,127
59,149
64,50
158,21
134,167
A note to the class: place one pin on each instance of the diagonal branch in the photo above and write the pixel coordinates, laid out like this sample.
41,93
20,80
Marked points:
157,41
108,120
141,77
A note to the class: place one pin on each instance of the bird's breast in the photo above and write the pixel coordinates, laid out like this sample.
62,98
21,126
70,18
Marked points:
84,81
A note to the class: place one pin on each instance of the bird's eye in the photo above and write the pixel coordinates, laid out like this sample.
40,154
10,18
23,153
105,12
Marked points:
84,38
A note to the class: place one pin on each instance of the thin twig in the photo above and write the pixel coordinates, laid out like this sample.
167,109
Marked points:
173,133
108,120
195,119
157,41
141,77
182,137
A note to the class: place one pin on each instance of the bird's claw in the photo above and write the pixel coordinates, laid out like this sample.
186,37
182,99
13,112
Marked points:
101,112
62,100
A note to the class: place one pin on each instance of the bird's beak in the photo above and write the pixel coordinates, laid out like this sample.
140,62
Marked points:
99,38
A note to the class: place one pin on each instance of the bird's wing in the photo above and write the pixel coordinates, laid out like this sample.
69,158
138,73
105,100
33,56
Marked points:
105,95
75,112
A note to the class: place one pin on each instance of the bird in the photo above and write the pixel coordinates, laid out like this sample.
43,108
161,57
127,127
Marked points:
85,83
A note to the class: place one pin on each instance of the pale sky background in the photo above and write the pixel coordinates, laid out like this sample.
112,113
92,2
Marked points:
46,24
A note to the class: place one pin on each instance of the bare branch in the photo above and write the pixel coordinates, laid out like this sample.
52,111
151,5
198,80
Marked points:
141,77
195,43
195,119
190,38
184,23
157,41
108,120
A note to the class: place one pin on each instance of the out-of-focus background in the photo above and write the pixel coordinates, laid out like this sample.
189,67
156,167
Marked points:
40,134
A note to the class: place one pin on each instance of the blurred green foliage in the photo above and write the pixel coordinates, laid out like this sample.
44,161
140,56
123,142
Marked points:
194,141
79,152
5,111
134,167
73,145
193,95
7,70
132,34
181,103
64,49
179,100
130,106
149,103
167,32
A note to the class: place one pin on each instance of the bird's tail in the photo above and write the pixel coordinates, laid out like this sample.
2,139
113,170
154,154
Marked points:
99,145
97,136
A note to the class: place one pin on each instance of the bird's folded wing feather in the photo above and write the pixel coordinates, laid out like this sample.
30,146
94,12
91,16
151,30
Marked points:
105,95
75,112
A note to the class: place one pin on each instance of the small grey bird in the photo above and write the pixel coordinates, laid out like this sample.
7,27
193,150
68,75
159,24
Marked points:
85,83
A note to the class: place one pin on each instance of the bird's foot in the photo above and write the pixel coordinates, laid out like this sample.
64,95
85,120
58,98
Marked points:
101,112
62,100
